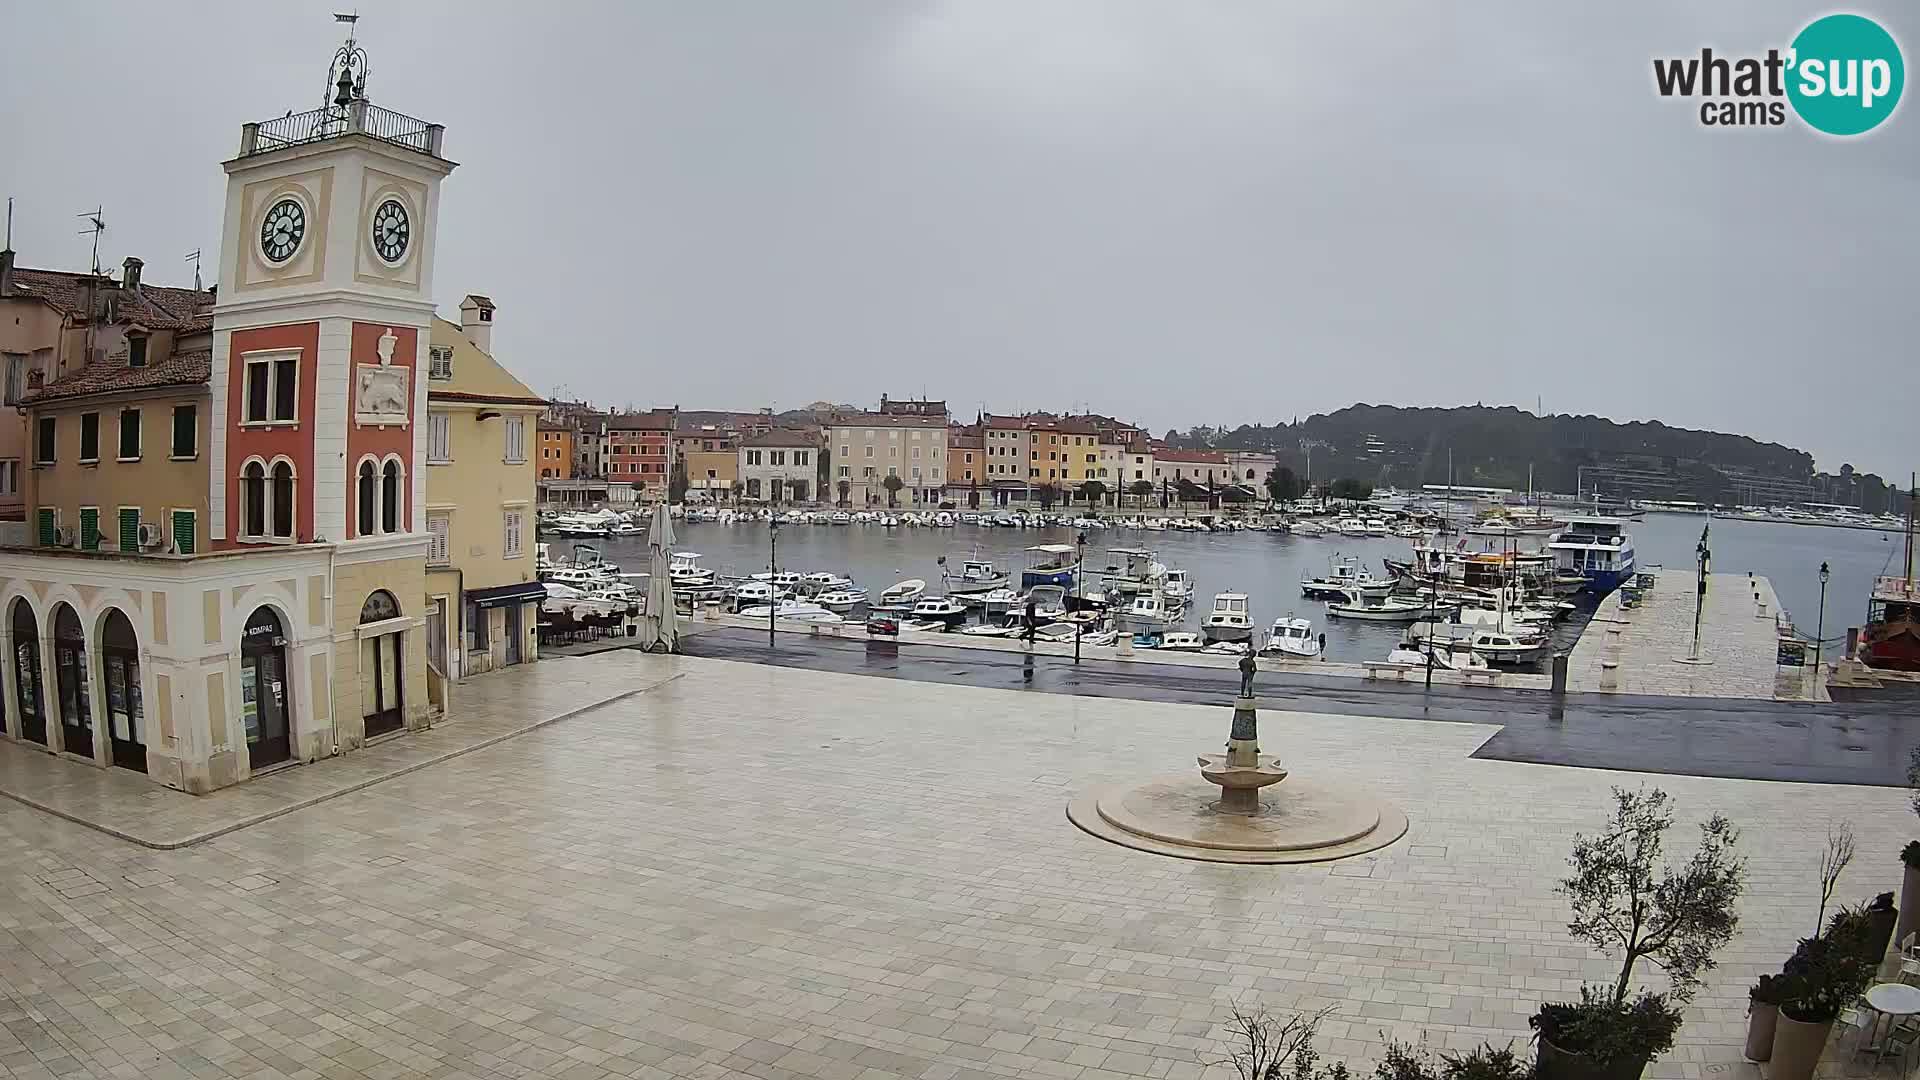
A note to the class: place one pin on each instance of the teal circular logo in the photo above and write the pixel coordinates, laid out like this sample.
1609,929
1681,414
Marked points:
1845,74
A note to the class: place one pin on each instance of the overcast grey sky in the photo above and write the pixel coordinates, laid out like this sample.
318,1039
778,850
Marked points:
1182,212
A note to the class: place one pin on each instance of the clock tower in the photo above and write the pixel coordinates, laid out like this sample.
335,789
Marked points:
317,432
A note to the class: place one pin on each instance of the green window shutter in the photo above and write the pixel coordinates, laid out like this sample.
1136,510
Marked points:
89,529
183,531
47,528
129,528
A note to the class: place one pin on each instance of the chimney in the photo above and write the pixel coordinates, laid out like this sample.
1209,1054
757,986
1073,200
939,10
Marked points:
476,321
130,276
6,271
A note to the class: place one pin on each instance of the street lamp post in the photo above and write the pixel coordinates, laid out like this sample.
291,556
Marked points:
773,568
1820,627
1702,556
1079,605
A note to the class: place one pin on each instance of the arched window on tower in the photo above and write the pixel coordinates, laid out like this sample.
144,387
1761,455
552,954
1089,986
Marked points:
390,497
283,500
366,498
253,500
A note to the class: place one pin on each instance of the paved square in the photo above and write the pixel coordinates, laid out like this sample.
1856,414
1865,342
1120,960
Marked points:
772,872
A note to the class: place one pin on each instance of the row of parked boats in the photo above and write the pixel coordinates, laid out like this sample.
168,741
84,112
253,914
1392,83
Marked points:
610,523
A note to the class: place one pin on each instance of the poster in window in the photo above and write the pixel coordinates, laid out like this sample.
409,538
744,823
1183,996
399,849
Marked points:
250,701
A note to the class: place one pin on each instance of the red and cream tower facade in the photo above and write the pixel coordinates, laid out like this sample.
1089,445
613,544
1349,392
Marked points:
317,431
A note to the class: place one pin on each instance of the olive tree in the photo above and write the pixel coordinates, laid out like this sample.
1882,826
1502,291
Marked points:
1627,899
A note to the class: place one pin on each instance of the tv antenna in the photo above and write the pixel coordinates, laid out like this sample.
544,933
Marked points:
194,258
96,224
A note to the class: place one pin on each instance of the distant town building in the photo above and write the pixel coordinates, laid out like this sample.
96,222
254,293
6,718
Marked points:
966,465
556,451
640,450
870,447
779,466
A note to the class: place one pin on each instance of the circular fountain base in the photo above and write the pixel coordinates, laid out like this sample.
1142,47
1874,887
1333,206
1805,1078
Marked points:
1295,822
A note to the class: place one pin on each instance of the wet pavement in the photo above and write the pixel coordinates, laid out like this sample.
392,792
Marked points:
1832,743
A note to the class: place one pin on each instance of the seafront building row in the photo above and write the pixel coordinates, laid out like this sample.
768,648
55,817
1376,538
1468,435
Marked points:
905,452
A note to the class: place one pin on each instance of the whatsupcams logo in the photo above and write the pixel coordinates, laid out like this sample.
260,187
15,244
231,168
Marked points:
1842,75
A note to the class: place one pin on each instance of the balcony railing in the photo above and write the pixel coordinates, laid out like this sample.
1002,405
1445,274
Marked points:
358,118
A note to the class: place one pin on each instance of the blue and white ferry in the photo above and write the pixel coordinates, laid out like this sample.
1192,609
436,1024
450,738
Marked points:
1598,549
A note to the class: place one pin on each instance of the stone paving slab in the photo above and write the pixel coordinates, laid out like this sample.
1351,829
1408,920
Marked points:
783,873
1644,643
486,709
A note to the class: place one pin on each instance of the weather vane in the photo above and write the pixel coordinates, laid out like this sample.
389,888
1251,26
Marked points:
347,74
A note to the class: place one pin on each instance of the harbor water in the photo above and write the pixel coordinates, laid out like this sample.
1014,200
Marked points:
1269,567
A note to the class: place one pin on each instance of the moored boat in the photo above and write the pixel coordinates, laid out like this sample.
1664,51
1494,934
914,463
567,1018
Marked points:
1292,637
1229,620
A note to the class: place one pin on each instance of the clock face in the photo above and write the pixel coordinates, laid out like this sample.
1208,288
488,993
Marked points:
282,230
391,231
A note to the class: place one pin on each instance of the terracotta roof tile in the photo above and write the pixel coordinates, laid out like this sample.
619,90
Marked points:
180,369
156,307
783,437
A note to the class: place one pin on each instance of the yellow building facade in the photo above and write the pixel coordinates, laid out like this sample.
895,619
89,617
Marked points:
483,592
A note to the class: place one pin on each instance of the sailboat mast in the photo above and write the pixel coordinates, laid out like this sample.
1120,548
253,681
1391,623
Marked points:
1911,477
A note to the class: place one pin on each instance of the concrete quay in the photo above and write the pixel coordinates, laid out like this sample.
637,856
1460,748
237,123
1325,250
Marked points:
1640,650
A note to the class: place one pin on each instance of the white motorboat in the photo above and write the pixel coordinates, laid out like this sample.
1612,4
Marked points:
793,611
1344,574
1357,605
1375,526
1227,648
749,593
889,522
1309,527
1148,612
1181,641
1352,527
939,609
1049,603
785,579
1058,631
997,601
903,593
976,576
1229,620
1496,645
1177,587
944,520
839,517
1050,564
841,600
1002,629
566,599
685,572
822,581
1292,637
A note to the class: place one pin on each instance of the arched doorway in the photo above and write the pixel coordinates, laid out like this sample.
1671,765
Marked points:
70,679
120,675
29,701
381,670
265,709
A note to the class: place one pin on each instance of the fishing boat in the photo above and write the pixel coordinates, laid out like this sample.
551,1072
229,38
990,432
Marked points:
793,611
1177,587
1049,603
976,576
748,593
1599,549
1292,637
822,581
841,600
902,594
1344,575
685,572
996,601
939,609
1495,645
1228,621
1356,604
1050,564
1147,612
1890,640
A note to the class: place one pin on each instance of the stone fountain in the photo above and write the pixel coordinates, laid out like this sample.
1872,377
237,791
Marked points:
1222,817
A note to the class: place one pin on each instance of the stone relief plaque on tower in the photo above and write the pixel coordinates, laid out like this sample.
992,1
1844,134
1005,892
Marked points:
382,391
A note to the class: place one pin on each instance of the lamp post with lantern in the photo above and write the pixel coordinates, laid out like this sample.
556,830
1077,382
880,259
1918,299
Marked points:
1820,626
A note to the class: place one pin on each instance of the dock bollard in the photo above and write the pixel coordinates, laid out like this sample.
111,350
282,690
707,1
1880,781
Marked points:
1559,671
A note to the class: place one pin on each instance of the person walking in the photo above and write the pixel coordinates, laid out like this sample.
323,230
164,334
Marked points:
1033,621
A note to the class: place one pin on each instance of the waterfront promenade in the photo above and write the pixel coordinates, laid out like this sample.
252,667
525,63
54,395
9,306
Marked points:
751,870
1638,651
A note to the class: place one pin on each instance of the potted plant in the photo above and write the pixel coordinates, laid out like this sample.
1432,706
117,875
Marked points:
1822,976
1882,916
1627,900
1909,891
1763,1009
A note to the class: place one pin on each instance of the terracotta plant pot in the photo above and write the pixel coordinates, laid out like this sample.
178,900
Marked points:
1797,1047
1760,1024
1555,1063
1909,904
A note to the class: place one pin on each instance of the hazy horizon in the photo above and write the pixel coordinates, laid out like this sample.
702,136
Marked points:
1205,214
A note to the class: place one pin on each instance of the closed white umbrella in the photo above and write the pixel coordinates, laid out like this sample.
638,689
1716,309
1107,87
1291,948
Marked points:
660,611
